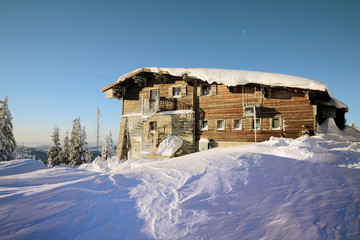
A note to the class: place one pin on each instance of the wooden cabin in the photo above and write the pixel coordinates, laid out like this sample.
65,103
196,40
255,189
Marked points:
216,108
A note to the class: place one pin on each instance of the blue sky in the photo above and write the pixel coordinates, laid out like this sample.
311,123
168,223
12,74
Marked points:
56,55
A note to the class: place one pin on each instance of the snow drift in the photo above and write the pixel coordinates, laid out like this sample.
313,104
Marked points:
305,188
169,146
329,127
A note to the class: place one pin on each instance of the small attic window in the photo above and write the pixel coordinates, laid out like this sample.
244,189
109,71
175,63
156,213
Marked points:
329,113
205,89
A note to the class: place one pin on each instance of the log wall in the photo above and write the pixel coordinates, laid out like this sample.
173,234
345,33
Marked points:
292,108
134,94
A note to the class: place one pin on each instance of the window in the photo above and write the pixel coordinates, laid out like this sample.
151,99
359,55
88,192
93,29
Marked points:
153,99
205,125
237,124
329,113
152,127
205,89
220,125
153,95
256,122
176,91
250,109
276,124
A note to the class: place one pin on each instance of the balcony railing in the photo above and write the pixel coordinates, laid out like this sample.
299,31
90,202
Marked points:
168,104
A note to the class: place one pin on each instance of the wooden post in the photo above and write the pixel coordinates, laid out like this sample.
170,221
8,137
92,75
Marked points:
142,106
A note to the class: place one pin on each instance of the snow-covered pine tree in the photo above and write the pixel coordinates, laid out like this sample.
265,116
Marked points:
79,152
75,143
65,151
104,149
108,147
54,151
7,140
86,154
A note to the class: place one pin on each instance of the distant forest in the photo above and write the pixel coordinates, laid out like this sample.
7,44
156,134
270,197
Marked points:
41,152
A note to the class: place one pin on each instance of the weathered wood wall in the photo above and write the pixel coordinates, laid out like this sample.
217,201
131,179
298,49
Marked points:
293,109
134,94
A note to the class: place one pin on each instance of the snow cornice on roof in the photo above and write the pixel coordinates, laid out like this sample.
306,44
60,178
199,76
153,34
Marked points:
238,77
235,77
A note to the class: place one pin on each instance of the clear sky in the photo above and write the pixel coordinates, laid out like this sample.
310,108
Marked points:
56,55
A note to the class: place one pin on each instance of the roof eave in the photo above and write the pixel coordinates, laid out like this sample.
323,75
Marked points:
125,77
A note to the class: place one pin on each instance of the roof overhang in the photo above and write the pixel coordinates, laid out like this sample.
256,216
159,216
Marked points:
333,102
130,75
231,77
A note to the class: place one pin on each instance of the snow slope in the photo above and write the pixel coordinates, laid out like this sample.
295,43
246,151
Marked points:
307,188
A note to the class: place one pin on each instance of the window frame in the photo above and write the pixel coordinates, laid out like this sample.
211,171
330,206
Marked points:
151,94
207,125
240,128
152,127
179,95
329,113
254,123
206,87
223,125
272,124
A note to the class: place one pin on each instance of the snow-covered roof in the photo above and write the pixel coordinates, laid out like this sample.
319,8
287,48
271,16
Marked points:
335,103
239,77
235,77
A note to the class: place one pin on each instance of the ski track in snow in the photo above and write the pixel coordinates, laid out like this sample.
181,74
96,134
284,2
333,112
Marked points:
305,188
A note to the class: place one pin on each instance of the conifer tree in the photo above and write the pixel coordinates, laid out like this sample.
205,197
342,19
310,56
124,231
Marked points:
65,151
54,151
79,152
7,140
108,147
85,152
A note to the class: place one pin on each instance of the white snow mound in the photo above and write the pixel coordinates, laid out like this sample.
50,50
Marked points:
169,146
330,130
329,126
102,165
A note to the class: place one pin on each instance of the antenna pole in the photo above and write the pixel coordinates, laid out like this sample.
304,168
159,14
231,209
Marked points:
97,130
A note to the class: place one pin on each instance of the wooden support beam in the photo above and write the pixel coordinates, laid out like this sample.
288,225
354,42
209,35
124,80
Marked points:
141,81
162,78
189,80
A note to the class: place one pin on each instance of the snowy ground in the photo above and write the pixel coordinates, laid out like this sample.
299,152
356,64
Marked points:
306,188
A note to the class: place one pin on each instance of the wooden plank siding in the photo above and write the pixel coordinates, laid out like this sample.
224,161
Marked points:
132,99
292,108
134,94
